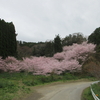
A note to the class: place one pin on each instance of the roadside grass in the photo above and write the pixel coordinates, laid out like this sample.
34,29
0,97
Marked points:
86,95
15,85
96,89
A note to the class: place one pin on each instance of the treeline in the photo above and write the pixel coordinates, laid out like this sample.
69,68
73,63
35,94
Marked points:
48,48
8,46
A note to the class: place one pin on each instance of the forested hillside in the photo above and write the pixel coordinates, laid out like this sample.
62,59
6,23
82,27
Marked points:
48,48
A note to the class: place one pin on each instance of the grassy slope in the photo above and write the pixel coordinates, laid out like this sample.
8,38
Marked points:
86,95
17,85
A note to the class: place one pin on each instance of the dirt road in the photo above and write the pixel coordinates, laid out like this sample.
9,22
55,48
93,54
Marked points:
60,91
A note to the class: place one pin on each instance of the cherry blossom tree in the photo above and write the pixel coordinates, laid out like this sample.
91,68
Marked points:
70,59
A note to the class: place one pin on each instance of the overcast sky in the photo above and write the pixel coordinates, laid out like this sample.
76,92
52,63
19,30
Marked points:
41,20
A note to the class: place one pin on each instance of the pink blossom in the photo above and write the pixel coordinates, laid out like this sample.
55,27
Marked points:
59,56
70,59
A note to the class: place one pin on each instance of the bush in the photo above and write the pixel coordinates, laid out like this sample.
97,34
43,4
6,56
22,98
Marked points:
68,76
30,82
5,83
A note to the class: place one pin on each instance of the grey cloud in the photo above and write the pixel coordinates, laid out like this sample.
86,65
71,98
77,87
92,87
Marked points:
41,20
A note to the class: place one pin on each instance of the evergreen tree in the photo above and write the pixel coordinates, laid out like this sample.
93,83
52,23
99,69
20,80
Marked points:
95,37
8,43
49,49
57,44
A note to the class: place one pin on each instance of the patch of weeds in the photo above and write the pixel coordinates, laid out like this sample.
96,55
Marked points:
96,89
25,89
45,79
6,97
68,76
12,89
86,95
30,82
8,86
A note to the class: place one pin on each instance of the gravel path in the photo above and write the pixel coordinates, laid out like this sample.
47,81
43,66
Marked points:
59,91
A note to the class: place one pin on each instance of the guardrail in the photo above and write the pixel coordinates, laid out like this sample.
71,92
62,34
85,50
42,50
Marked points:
93,94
